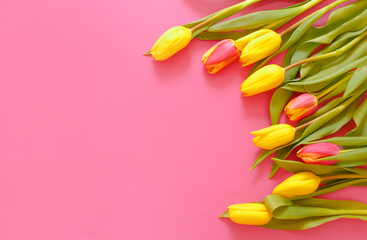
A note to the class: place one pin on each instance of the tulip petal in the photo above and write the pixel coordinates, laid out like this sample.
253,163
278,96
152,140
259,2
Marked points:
301,106
264,79
220,55
242,42
273,136
299,184
170,42
311,153
249,213
260,48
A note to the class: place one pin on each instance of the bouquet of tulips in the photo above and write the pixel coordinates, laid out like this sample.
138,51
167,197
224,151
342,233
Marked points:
336,75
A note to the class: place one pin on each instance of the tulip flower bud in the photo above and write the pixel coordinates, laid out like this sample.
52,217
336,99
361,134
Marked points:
249,214
301,106
274,136
264,79
299,184
220,55
258,45
172,41
312,153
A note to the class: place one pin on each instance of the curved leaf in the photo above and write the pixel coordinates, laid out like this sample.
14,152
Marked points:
296,166
360,118
345,141
277,103
261,18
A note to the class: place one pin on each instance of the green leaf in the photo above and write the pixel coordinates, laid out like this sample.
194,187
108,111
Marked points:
338,90
358,170
325,128
321,128
349,155
352,162
360,118
323,78
307,223
296,166
359,77
258,19
223,35
345,141
308,213
304,35
348,19
314,67
332,188
274,169
262,156
224,215
277,103
283,208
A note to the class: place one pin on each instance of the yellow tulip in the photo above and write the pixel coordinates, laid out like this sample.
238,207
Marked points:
299,184
249,214
258,45
172,41
273,136
264,79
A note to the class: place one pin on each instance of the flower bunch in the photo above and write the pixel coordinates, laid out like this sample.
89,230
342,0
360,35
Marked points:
318,91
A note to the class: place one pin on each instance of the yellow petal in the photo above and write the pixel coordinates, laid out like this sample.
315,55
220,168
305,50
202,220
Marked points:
242,42
249,214
299,184
265,79
170,42
260,48
296,188
270,129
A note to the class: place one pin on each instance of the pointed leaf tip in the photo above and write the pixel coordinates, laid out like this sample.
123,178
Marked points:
224,215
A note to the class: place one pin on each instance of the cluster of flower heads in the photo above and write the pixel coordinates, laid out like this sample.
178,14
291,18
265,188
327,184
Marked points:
299,184
250,49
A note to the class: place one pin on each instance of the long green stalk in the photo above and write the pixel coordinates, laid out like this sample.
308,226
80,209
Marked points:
229,11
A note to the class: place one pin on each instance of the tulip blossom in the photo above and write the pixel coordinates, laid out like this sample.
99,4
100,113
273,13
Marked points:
301,106
265,79
249,213
170,42
220,55
258,45
299,184
273,136
312,153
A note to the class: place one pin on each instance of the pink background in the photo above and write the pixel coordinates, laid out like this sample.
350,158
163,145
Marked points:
100,142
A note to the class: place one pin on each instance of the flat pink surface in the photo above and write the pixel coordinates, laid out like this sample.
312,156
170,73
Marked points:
100,142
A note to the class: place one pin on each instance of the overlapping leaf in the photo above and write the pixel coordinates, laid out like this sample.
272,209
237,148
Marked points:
261,18
312,212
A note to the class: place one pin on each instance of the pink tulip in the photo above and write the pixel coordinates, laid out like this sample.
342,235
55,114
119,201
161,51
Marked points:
220,55
312,153
300,107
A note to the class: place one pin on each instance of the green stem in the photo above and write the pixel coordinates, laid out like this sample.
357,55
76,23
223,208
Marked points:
222,14
330,89
332,212
284,32
345,150
319,12
330,54
306,6
342,176
318,118
340,107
